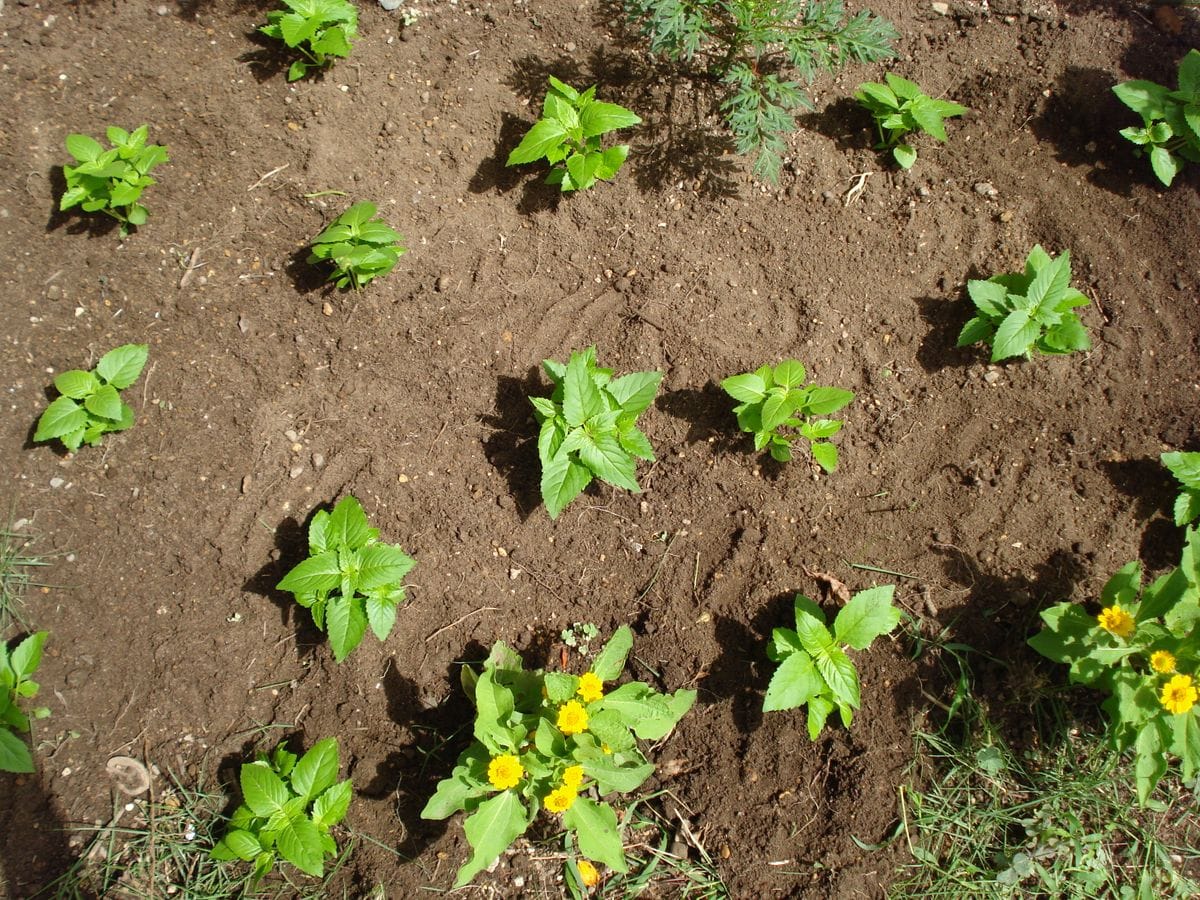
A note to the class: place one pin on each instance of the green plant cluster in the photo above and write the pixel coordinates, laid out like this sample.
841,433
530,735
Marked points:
16,684
91,405
900,108
568,137
111,181
1170,129
361,247
322,30
1186,469
553,741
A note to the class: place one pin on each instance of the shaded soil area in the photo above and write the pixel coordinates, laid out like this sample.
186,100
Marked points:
993,490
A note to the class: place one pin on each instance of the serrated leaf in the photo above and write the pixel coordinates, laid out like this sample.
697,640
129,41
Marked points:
598,118
83,147
27,656
317,573
62,417
789,373
794,683
562,481
869,614
381,615
121,366
263,790
382,565
348,525
747,388
346,623
904,155
609,461
316,771
821,401
241,844
105,403
841,676
1014,336
543,137
299,842
634,392
331,807
76,383
1165,164
826,455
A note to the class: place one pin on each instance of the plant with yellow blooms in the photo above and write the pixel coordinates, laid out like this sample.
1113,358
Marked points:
556,742
1143,649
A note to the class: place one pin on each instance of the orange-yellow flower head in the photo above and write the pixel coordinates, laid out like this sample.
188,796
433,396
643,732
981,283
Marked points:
572,718
1178,694
559,800
573,777
591,688
588,873
1162,662
1116,621
505,771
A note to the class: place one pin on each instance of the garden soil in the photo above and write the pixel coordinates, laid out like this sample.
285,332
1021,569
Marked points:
984,492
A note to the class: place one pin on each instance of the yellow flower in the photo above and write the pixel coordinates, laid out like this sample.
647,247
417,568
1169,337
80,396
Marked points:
1162,662
591,688
607,749
1178,694
1116,621
573,777
505,771
559,800
572,717
588,874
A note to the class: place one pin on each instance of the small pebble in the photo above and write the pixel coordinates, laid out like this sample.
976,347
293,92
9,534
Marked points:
991,377
56,482
942,9
163,10
442,284
292,435
985,189
327,308
318,461
296,471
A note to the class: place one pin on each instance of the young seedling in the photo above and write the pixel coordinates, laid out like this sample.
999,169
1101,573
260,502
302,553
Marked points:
568,137
752,48
322,30
580,636
775,398
16,683
588,427
553,741
1023,312
111,181
1144,652
814,668
91,405
1170,119
350,580
361,247
1186,468
900,109
289,806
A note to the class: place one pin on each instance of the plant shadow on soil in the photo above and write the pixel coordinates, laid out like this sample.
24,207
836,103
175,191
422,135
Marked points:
708,414
75,220
512,445
272,58
35,849
291,548
1151,489
946,318
846,123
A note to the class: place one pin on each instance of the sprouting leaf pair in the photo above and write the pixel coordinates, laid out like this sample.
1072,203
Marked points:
901,108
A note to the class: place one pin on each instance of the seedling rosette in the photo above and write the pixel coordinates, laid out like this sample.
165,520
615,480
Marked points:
360,246
91,405
322,30
553,741
350,581
1170,119
111,181
900,108
16,683
1143,650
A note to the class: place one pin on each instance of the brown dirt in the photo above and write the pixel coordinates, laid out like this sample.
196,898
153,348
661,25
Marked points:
997,490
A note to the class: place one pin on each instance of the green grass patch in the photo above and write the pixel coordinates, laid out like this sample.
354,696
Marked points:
18,565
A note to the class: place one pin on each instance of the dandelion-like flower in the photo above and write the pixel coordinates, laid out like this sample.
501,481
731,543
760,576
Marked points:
1116,621
573,777
505,771
572,718
559,800
1162,662
1178,694
588,873
591,687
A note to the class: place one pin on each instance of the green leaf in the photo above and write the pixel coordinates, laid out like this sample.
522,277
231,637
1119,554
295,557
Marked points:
789,373
316,771
297,28
83,148
76,384
819,708
600,118
382,565
611,776
634,392
348,526
747,388
332,43
610,661
611,161
821,401
381,614
1184,466
1166,165
299,842
331,807
609,461
543,137
452,794
490,830
658,726
562,481
869,614
1124,586
581,397
121,366
26,658
904,155
595,826
826,455
841,676
317,573
105,403
794,683
346,622
928,116
262,789
63,416
241,844
14,755
297,69
1151,760
1015,336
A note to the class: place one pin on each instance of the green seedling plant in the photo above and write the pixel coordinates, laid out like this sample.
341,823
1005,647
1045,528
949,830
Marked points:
762,55
1021,313
580,636
1143,651
351,580
553,741
1170,129
588,427
814,668
111,181
322,30
361,247
775,398
1186,468
290,804
16,683
900,108
568,136
91,405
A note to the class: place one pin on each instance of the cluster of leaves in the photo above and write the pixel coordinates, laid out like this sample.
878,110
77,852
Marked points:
361,247
1143,650
350,580
588,427
814,669
320,29
900,108
16,669
753,47
290,805
91,404
111,181
568,136
1021,312
1186,468
556,741
1170,119
774,398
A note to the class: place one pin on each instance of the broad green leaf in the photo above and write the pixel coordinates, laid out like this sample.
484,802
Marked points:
841,676
382,565
926,113
83,148
242,844
869,614
348,526
562,481
494,825
381,614
904,89
635,392
28,655
814,636
600,118
610,661
297,28
990,297
1144,97
494,704
299,842
14,755
544,136
1124,586
331,807
262,789
317,573
121,366
612,777
1166,165
76,384
332,42
346,623
1015,336
581,397
636,443
794,683
657,727
316,771
976,330
819,708
452,795
560,686
776,409
609,461
905,156
611,161
784,642
595,826
820,428
821,401
826,455
1189,73
1184,466
137,215
876,96
561,87
747,388
378,233
789,373
63,416
1151,760
105,403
